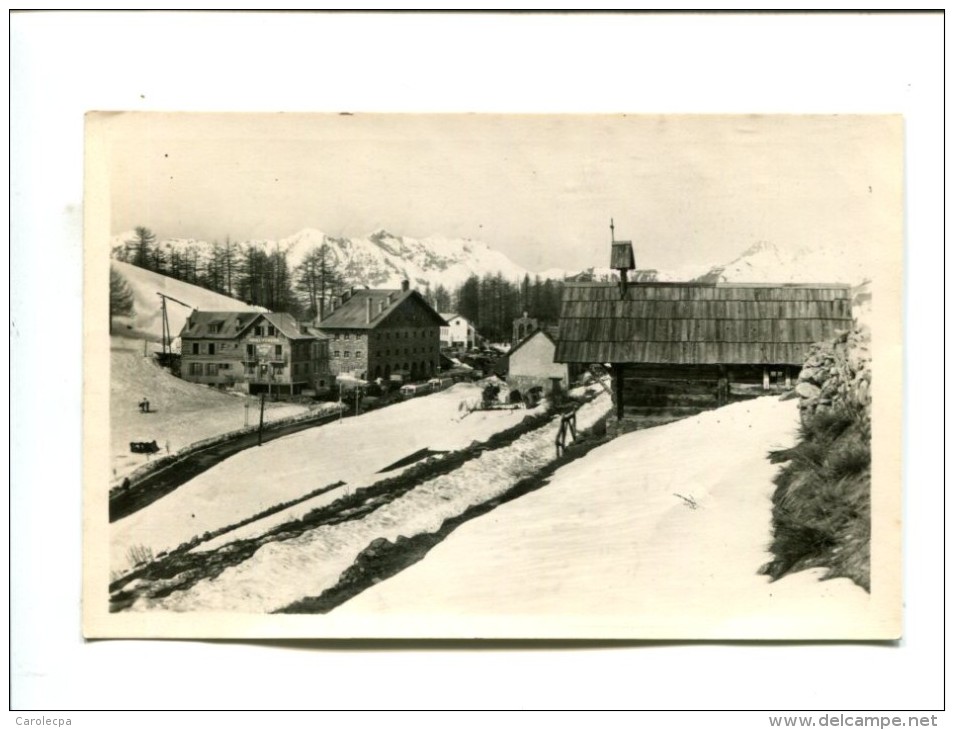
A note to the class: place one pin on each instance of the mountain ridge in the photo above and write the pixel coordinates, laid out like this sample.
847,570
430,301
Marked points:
383,259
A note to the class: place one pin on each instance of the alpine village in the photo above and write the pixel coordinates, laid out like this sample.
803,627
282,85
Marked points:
295,427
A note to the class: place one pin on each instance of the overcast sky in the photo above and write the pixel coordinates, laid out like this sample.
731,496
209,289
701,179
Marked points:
542,189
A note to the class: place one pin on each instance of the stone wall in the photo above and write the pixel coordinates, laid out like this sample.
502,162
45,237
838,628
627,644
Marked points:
837,373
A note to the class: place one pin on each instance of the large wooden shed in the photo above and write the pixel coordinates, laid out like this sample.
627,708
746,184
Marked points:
681,346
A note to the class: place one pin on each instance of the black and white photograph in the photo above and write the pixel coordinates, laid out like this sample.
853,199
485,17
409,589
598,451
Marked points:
493,375
555,360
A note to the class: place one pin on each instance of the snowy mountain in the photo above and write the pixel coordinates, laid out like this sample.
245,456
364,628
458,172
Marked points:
761,262
384,259
764,261
380,259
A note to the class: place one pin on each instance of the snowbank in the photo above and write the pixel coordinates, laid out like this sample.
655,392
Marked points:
282,572
656,529
352,450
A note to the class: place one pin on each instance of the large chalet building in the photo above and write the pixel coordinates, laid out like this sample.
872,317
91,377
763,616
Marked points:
380,333
254,351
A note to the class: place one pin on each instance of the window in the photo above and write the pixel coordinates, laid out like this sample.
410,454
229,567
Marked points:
357,353
195,368
223,366
250,368
337,353
250,351
271,330
211,368
347,353
195,348
278,350
259,330
211,348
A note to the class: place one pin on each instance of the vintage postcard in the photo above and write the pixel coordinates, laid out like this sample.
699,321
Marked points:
493,376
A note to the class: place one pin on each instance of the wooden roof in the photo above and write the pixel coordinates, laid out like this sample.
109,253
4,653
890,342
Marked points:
621,256
693,323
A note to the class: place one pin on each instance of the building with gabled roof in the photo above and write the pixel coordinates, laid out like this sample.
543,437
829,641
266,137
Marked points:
254,351
681,346
458,331
530,363
381,333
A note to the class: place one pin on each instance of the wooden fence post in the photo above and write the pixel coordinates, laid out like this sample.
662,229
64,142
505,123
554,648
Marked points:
261,418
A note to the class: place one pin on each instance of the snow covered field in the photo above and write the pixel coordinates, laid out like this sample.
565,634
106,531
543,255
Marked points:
353,451
181,413
282,572
655,529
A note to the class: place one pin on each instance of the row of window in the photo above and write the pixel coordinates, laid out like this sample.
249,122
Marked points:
385,335
214,368
250,349
207,368
386,353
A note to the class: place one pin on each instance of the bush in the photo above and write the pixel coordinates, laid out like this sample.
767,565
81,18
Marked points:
821,513
491,393
137,554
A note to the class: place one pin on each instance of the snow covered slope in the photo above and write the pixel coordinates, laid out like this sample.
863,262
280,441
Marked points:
764,261
353,450
147,317
181,413
656,530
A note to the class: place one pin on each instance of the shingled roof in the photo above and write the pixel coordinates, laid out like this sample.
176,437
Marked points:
353,313
690,323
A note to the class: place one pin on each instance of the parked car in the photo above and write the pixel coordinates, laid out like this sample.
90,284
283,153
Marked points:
414,390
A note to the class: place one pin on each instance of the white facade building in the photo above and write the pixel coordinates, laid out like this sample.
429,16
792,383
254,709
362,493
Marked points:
459,331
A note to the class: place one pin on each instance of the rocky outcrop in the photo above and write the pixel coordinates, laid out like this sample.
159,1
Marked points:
837,373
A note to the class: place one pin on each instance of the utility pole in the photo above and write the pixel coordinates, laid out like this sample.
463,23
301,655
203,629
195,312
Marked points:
261,418
166,332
